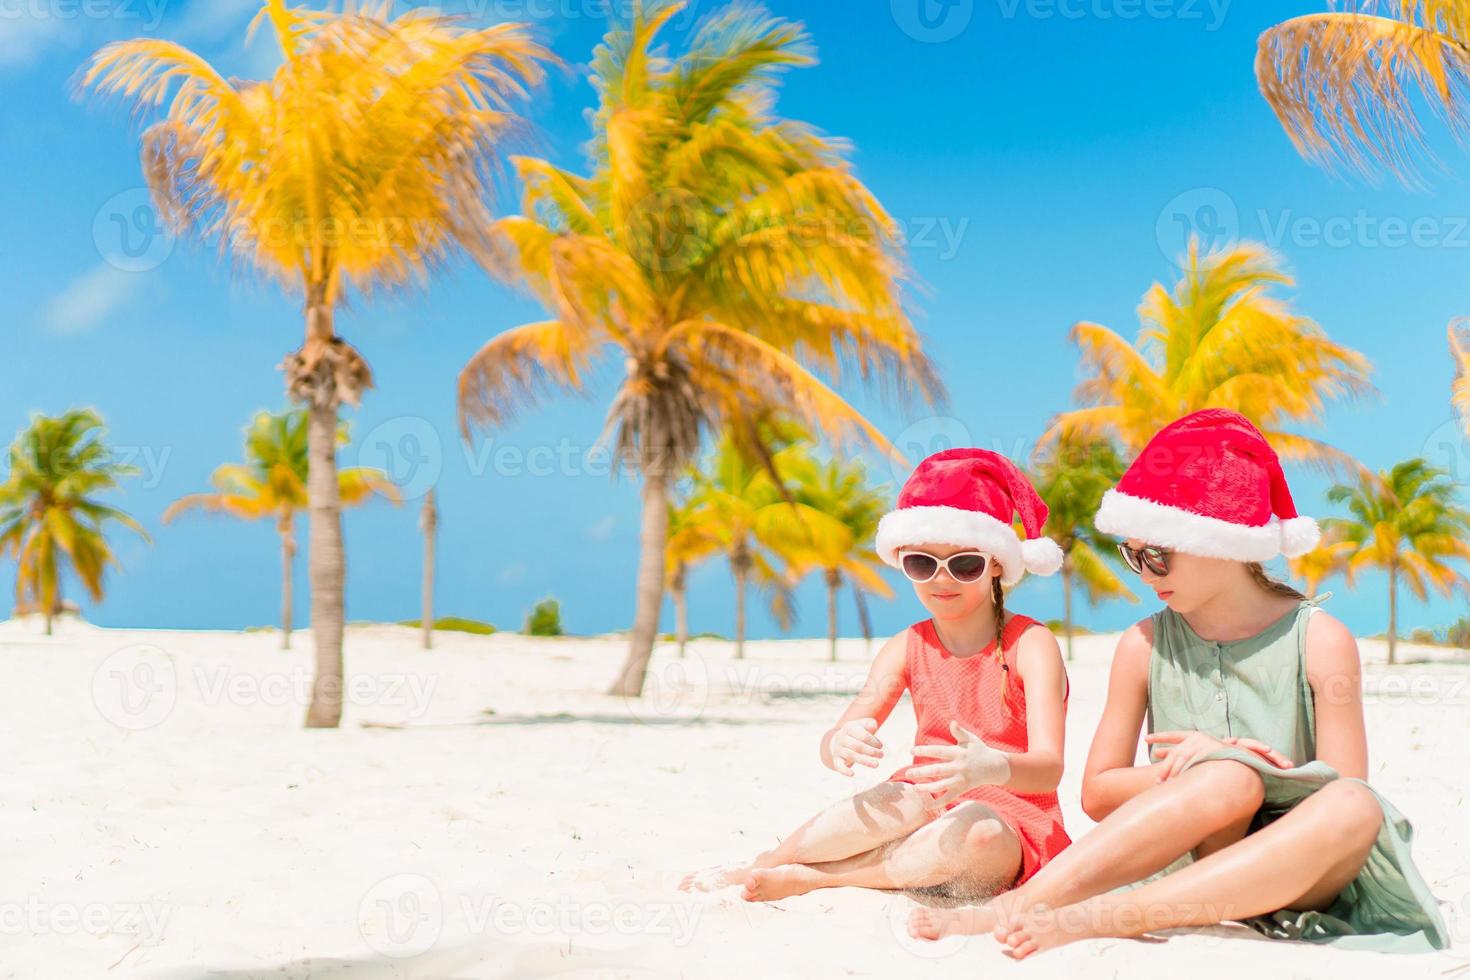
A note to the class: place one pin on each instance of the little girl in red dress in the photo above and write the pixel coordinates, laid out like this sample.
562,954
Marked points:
977,813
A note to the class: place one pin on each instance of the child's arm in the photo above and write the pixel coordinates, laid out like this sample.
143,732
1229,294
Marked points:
1111,778
1039,662
971,762
854,738
1335,673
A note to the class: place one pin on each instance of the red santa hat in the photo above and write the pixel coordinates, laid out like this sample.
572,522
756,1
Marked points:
1209,484
966,498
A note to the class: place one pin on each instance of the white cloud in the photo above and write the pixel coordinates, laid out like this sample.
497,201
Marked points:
89,299
603,529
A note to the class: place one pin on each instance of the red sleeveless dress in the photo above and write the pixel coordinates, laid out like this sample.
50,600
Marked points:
947,688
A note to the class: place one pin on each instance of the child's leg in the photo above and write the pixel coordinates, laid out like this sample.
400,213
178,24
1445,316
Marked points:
970,842
853,826
1300,861
1207,802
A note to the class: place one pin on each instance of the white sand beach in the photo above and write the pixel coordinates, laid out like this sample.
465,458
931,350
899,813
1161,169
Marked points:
485,811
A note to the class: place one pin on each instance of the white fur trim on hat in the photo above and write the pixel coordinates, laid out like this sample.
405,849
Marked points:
950,525
1125,516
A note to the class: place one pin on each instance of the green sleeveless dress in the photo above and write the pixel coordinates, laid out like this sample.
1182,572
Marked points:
1257,688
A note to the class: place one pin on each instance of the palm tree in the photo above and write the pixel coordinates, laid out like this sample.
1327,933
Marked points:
1219,339
364,163
764,532
842,511
1347,85
49,511
691,541
1071,478
272,483
720,252
1403,521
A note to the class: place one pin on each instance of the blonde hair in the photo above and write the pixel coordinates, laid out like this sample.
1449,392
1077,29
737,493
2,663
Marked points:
998,601
1258,572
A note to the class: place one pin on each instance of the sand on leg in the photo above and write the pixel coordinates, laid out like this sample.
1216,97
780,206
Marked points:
1210,802
852,826
1300,861
971,845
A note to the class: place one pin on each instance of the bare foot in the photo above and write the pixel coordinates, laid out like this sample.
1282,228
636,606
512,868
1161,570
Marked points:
782,881
927,923
713,879
1042,928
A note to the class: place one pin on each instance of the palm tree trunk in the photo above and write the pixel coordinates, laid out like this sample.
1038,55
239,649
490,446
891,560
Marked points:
681,610
653,539
286,527
740,576
326,568
429,521
1393,610
1067,602
834,582
863,620
326,562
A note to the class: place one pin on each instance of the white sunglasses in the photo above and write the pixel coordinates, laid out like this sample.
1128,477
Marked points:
963,566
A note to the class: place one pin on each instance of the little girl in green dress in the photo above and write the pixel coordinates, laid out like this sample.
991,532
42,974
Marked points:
1254,808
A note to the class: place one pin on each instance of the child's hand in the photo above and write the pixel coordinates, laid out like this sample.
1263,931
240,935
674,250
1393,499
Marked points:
855,742
1261,749
967,764
1181,748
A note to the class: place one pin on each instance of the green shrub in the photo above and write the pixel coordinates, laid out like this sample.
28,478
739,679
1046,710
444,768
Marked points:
544,619
456,624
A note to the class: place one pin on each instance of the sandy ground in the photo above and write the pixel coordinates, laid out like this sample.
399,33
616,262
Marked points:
485,811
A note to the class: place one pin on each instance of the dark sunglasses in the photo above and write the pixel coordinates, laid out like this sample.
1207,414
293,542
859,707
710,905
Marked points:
1154,559
964,567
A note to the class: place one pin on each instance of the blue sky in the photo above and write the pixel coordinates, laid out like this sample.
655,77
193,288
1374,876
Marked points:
1046,158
